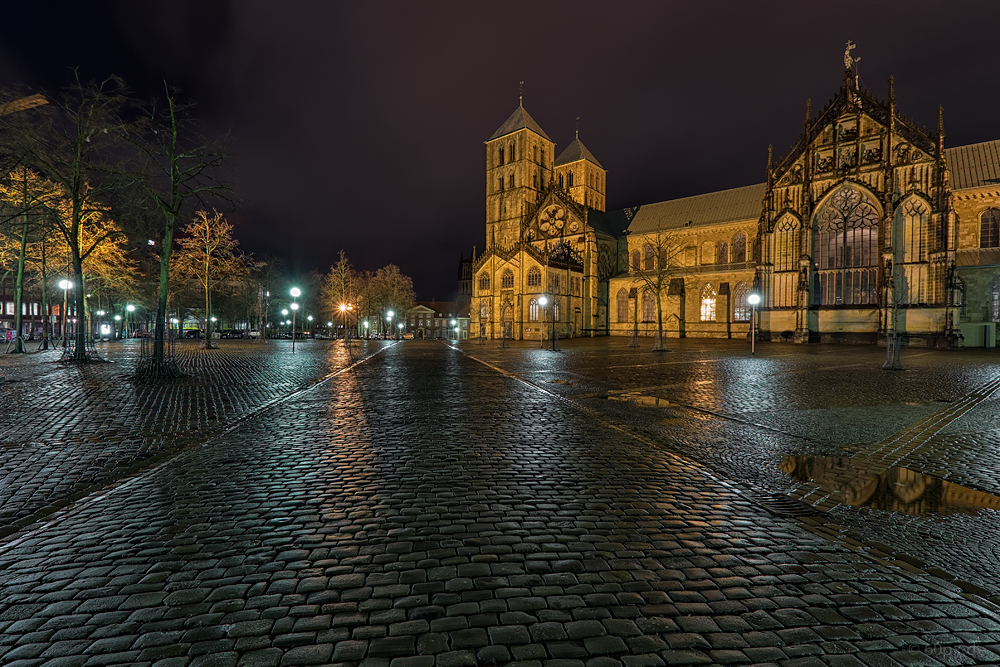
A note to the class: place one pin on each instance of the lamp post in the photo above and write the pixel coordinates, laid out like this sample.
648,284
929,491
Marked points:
343,317
753,300
542,301
100,324
453,323
400,334
295,292
64,285
310,320
128,309
176,322
388,317
366,329
118,322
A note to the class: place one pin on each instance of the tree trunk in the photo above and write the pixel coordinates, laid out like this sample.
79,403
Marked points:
19,288
161,297
660,345
80,305
46,306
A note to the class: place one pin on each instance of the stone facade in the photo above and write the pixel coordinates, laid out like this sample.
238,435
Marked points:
868,227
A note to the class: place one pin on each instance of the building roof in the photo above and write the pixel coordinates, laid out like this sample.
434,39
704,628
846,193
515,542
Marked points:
613,223
440,308
519,120
974,166
576,151
712,208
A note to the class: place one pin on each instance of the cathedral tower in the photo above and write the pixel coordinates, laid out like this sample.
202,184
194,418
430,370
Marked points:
579,172
519,160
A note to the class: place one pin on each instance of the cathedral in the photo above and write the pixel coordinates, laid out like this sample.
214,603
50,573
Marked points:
868,227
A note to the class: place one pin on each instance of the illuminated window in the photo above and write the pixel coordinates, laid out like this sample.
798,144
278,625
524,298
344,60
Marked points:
846,249
484,311
741,310
708,299
533,310
621,303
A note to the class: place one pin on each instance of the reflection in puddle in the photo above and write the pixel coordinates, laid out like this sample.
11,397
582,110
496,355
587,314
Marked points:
895,490
639,399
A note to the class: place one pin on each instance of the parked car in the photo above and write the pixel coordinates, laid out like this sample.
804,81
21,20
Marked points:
194,333
232,333
254,333
408,336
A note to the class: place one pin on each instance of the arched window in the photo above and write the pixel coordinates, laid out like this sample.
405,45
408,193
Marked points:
722,253
561,180
536,152
741,310
648,257
533,310
484,282
846,249
913,243
484,311
507,279
708,299
569,179
785,254
636,260
621,303
555,309
534,277
648,306
739,248
989,228
513,151
501,183
500,155
511,180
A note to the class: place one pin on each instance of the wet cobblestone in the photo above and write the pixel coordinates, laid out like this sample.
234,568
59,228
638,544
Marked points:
422,509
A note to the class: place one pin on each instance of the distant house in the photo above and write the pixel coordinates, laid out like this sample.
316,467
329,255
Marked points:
438,319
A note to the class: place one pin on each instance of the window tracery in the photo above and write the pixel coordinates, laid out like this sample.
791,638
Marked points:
741,310
484,282
534,277
648,306
846,249
740,247
722,253
648,257
507,279
533,310
708,300
989,228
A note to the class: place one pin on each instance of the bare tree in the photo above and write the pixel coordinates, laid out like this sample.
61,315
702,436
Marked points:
178,166
661,260
210,255
75,142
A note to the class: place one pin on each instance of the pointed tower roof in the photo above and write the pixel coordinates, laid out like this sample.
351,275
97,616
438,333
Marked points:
519,120
576,151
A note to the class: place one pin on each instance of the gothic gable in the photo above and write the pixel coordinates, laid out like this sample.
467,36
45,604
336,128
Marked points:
558,216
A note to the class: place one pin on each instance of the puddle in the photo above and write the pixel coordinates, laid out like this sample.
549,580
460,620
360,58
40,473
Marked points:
895,490
565,382
640,399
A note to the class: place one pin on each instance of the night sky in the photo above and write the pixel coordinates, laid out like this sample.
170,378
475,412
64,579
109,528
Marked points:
360,126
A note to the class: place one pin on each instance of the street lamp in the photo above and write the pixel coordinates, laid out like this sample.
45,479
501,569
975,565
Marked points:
176,322
542,301
128,309
366,329
295,292
388,316
100,323
753,300
453,323
65,285
400,334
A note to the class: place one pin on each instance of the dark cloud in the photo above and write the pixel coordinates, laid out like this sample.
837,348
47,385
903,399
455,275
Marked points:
360,125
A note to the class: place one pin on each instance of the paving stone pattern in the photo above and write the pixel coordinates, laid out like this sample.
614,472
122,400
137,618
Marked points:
67,429
423,509
742,415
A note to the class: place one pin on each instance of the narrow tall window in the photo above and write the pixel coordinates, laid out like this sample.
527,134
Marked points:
484,312
722,253
570,179
533,310
741,311
511,180
636,261
513,152
500,156
648,257
484,282
989,228
621,304
708,299
648,306
740,248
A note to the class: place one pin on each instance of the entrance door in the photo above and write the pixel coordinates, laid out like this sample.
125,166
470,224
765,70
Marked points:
508,322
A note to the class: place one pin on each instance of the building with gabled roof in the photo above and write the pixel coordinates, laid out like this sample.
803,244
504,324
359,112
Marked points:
868,228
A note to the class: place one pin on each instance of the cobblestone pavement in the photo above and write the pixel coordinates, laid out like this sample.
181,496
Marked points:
422,509
743,416
66,431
